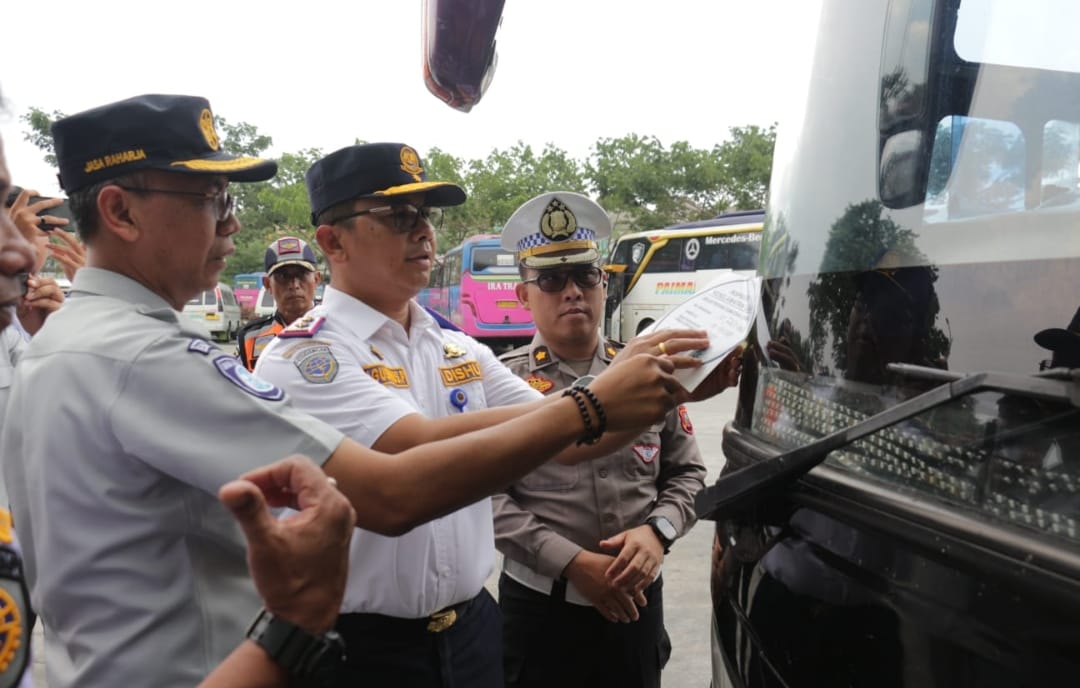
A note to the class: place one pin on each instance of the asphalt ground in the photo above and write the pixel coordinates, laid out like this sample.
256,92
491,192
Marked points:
686,569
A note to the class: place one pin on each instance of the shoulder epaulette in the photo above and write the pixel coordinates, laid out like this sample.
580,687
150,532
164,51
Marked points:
520,352
306,326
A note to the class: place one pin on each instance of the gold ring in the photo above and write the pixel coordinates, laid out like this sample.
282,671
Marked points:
663,349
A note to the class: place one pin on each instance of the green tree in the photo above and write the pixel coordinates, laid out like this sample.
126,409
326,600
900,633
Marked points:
38,132
746,165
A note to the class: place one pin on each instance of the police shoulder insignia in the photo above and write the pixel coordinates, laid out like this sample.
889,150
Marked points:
540,383
200,346
452,350
307,326
684,420
317,365
647,452
541,355
234,371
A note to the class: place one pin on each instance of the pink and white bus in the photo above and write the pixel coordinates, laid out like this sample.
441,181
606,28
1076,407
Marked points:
473,287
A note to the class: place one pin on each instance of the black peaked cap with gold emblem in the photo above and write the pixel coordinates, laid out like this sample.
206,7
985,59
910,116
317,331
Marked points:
375,170
556,228
149,132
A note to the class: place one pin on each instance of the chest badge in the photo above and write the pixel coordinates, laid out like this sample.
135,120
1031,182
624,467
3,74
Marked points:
458,399
376,353
452,350
647,452
540,383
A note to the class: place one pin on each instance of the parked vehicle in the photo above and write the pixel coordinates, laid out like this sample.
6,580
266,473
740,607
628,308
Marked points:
218,309
901,500
649,273
264,303
246,288
473,287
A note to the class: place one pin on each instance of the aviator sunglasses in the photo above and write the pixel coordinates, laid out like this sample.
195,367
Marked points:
555,280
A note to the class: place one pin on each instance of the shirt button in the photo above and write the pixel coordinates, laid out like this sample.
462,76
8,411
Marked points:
603,472
609,517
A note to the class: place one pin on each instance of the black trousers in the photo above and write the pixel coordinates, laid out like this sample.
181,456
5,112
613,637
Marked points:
548,642
402,653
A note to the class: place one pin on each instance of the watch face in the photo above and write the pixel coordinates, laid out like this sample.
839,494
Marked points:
666,528
583,381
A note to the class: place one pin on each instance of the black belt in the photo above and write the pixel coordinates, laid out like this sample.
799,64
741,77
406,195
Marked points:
438,622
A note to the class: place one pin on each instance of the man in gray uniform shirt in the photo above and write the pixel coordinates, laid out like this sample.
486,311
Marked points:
136,570
571,615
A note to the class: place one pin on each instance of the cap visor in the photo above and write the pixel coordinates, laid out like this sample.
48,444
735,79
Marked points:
438,194
283,263
236,168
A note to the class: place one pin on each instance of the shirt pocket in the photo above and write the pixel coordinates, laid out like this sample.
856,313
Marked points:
552,477
641,458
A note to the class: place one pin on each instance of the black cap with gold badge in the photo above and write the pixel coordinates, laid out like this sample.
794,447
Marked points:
375,170
149,132
556,228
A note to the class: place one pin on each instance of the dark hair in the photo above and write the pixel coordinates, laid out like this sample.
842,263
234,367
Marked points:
84,204
337,210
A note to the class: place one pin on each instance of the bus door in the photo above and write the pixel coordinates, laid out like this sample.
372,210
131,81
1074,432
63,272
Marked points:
622,270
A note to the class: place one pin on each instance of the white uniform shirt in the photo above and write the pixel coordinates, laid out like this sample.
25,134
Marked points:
361,373
123,423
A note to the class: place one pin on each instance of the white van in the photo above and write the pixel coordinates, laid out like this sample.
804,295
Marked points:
218,309
264,303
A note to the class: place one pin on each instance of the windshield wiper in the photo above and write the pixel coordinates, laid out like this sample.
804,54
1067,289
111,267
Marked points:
739,490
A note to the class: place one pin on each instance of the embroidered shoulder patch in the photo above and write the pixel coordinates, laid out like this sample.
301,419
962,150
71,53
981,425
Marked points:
200,346
234,371
539,383
684,420
647,452
306,326
317,365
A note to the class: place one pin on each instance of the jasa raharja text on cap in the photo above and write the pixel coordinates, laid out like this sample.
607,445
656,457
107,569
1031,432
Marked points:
174,133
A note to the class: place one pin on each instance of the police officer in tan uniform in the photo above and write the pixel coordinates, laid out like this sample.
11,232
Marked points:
291,276
571,617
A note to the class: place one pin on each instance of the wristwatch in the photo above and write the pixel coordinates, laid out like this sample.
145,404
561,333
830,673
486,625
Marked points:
303,655
583,381
665,530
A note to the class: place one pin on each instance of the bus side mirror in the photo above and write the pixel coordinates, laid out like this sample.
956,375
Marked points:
903,168
459,49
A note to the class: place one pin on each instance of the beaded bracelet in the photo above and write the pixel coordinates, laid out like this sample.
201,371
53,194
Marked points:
600,415
589,436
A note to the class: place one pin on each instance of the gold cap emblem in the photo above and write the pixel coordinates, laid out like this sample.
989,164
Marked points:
410,162
206,126
558,222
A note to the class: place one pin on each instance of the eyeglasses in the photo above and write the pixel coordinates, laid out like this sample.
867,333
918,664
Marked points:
224,203
554,281
406,216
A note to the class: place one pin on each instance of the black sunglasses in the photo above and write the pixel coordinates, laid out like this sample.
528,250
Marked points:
406,216
553,281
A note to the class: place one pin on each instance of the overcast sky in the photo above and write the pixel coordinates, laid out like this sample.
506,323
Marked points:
320,73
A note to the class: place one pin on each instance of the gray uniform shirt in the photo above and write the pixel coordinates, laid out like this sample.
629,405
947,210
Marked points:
123,423
551,514
12,342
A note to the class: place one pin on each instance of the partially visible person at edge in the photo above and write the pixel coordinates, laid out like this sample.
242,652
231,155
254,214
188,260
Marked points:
571,616
291,277
135,568
377,366
41,295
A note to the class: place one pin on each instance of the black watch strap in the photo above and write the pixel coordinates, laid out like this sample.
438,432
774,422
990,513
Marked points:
665,531
300,653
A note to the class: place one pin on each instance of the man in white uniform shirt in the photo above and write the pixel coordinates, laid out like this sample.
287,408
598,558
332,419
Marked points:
373,363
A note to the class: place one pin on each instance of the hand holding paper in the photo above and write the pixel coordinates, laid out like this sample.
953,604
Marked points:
725,309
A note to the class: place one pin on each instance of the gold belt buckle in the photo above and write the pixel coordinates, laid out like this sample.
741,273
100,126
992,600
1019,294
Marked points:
440,621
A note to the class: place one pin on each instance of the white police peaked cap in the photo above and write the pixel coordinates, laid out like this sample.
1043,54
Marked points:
556,228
